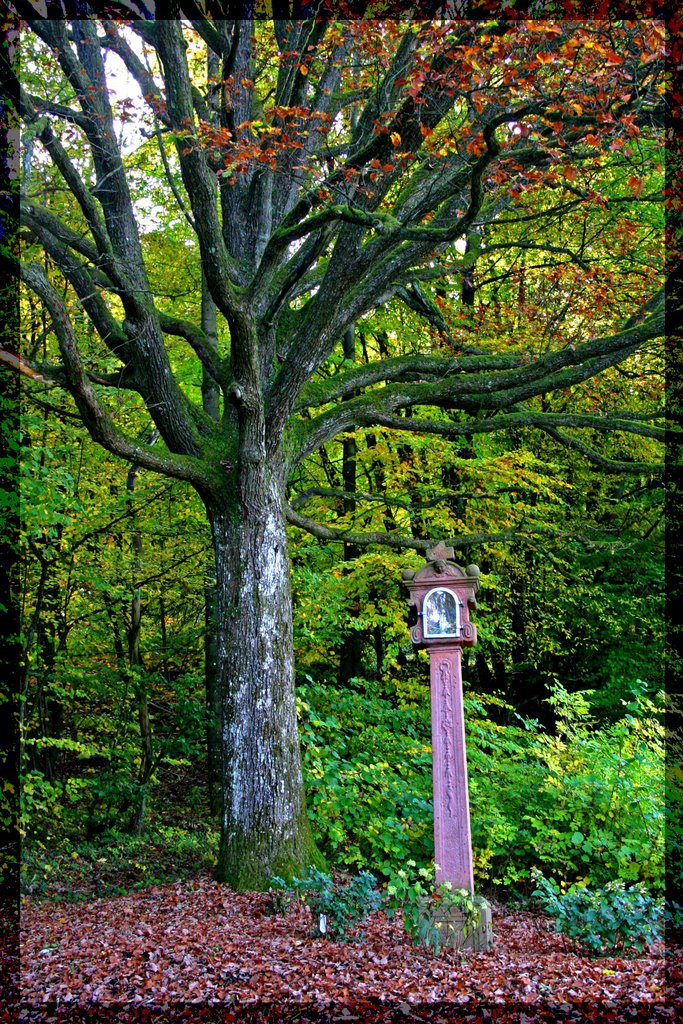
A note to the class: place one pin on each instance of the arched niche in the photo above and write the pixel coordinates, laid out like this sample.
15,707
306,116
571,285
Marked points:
441,613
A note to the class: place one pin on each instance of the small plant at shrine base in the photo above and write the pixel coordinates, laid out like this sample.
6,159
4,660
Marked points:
417,896
337,907
613,919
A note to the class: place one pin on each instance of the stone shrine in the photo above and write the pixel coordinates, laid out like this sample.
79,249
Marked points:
442,595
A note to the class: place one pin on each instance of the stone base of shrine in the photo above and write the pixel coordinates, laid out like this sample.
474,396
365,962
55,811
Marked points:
453,928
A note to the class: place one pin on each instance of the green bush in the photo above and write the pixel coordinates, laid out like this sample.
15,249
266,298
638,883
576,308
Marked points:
600,808
367,767
337,907
613,919
588,801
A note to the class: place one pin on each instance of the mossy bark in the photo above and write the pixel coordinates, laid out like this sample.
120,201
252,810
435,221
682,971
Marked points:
264,825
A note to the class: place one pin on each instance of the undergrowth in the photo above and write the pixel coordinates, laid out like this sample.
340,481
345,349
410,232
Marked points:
115,863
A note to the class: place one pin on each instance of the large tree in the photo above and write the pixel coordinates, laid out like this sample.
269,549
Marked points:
324,170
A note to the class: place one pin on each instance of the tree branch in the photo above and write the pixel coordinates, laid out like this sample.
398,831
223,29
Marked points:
149,89
400,368
97,420
497,390
20,364
73,180
408,506
515,421
221,272
49,231
86,76
606,465
34,214
400,543
198,342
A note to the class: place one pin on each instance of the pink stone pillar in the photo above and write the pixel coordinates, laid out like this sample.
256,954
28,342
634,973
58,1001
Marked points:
442,594
452,832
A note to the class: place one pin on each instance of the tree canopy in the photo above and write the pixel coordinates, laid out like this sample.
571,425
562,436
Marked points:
348,163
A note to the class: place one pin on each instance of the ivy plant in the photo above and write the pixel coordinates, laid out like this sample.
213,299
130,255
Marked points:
427,906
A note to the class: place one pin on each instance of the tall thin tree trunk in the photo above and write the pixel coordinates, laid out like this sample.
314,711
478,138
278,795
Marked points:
211,405
350,664
213,699
136,668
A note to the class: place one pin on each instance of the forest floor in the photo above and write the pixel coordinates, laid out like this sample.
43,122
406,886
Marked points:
197,951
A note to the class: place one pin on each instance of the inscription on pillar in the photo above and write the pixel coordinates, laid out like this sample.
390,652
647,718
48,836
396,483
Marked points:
442,594
447,725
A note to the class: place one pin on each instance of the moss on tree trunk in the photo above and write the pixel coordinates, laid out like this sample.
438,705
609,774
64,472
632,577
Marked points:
264,825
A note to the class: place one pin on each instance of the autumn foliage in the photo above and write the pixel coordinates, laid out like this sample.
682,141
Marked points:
299,297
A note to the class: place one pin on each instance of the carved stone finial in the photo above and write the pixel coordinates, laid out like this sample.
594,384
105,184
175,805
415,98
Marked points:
408,574
440,553
473,570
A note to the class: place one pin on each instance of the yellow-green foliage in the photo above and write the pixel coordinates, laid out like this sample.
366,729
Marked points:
587,801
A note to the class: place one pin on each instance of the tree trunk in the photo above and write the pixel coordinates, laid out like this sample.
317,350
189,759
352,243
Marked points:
213,701
264,824
137,670
350,655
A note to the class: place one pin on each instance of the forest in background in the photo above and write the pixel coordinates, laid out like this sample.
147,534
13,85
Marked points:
563,692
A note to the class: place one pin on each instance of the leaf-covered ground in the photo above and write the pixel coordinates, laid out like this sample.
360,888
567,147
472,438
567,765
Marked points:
198,951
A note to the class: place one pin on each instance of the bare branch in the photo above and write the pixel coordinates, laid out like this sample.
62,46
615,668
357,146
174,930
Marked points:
20,364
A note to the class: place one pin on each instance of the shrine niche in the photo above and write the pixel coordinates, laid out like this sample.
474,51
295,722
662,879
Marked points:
441,614
442,594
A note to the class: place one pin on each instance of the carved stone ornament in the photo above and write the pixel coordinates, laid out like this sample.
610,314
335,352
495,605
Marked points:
442,594
440,553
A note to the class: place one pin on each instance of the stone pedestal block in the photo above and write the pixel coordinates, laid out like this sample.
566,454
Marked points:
452,926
